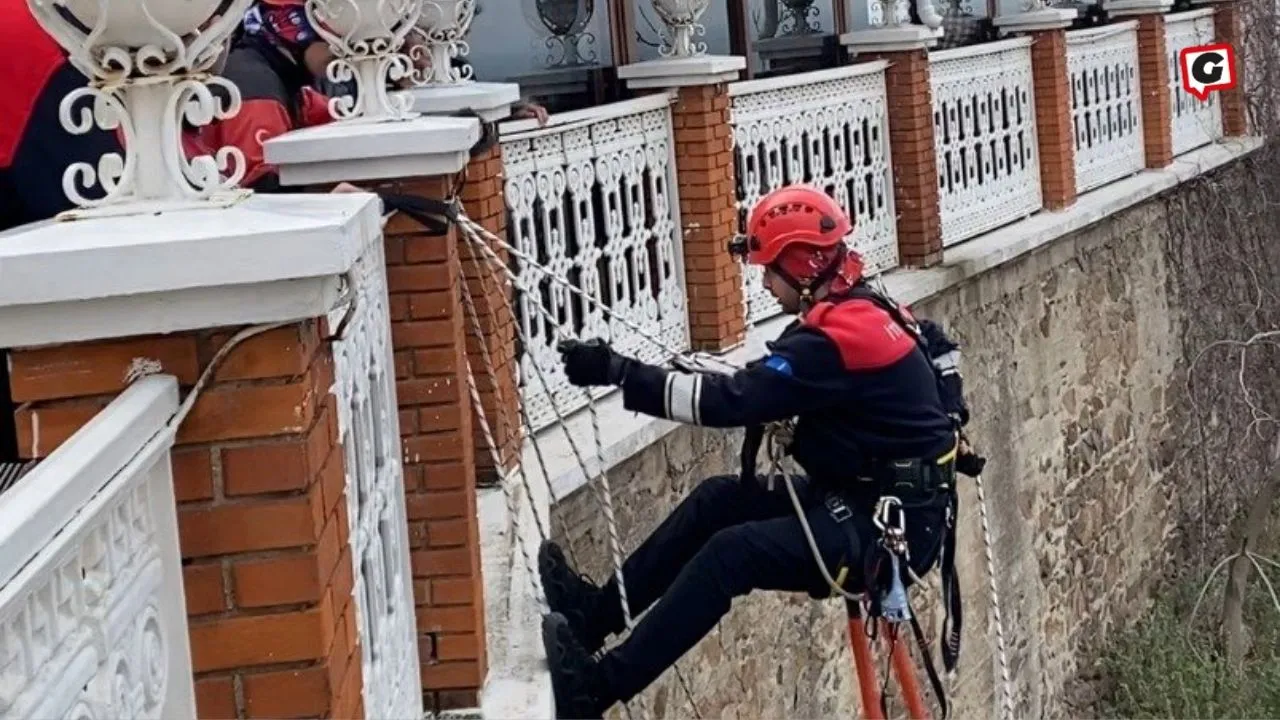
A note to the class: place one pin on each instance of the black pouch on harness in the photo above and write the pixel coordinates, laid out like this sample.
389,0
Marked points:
915,480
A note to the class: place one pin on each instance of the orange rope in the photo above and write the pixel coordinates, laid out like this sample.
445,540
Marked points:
907,680
864,666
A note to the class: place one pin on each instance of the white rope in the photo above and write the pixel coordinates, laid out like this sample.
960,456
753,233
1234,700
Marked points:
1006,684
513,507
486,283
470,226
602,492
479,237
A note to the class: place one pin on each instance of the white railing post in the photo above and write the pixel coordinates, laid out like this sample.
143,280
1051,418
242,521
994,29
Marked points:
177,270
612,167
829,128
1195,122
92,610
986,142
1106,114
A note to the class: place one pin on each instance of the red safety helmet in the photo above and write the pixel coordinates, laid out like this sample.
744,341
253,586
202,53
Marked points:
791,215
789,221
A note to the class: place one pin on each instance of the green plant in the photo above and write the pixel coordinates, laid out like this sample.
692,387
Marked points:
1161,669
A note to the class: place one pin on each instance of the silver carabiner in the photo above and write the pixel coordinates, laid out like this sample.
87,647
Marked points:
882,517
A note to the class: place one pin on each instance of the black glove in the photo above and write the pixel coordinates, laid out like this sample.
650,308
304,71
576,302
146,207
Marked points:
969,462
593,362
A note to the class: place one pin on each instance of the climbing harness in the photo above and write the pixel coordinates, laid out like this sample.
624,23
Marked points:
888,610
481,244
890,606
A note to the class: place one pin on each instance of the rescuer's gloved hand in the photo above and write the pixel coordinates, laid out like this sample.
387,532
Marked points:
969,462
592,362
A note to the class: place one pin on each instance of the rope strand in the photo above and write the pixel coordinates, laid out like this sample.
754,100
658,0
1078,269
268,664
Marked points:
476,236
1006,684
486,286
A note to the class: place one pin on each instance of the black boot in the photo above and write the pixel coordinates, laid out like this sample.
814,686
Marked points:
576,681
574,596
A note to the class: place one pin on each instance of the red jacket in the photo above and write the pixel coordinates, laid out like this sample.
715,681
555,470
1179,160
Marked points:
35,150
276,98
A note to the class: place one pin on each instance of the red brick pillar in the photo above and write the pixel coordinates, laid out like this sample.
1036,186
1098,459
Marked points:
1153,71
1054,129
483,201
708,216
1226,28
706,183
429,331
915,164
262,515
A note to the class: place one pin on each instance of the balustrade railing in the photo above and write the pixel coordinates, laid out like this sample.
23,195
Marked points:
1106,105
369,430
827,128
593,197
984,137
93,623
1195,122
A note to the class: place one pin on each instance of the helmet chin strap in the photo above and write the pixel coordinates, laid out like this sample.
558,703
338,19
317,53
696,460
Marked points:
822,278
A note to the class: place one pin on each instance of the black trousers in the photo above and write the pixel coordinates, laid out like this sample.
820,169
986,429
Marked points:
724,540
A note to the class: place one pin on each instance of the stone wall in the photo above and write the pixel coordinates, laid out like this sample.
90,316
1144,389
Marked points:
1108,467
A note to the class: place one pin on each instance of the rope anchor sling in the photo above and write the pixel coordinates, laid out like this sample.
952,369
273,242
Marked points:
482,243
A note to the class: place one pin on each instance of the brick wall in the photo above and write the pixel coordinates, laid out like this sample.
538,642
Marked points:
1157,111
1053,118
262,515
483,199
915,167
1226,28
429,331
704,163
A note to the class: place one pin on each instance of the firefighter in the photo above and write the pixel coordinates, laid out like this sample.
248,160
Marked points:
276,61
870,418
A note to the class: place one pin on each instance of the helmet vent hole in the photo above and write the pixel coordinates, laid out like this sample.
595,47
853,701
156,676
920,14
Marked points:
827,223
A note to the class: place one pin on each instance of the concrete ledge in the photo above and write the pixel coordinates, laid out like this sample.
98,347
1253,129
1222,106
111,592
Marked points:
682,72
518,685
357,151
267,258
626,433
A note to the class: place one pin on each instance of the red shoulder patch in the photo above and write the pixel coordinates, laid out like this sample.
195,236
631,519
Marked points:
867,336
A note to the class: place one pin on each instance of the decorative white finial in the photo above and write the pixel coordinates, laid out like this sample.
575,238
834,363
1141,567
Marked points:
681,18
149,65
367,37
443,28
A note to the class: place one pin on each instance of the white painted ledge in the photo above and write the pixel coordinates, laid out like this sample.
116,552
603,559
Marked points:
356,151
1125,8
268,258
1043,19
518,685
682,72
892,39
625,433
491,101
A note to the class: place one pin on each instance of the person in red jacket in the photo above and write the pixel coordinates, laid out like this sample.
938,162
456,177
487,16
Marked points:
275,63
35,150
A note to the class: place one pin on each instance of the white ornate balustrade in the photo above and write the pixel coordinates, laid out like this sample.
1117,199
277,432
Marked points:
1106,105
93,619
369,430
827,128
1195,123
593,197
984,137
